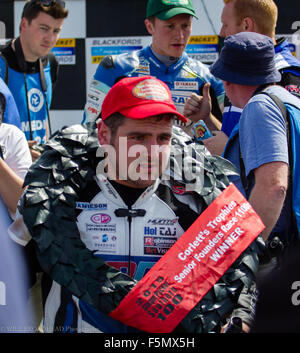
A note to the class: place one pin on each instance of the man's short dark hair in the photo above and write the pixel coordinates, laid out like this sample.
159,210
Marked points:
114,122
117,119
33,7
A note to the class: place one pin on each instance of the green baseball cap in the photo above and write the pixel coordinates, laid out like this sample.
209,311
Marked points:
165,9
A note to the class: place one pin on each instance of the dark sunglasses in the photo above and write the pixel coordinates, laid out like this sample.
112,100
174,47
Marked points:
47,3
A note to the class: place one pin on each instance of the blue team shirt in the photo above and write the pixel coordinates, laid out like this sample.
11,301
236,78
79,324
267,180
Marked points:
11,113
261,137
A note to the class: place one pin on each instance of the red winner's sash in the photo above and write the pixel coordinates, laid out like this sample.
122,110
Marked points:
182,277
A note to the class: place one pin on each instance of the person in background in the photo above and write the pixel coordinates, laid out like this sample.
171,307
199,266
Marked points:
30,70
258,16
170,25
15,161
16,314
11,113
258,144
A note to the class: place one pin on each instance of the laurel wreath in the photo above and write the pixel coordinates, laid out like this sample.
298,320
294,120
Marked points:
67,164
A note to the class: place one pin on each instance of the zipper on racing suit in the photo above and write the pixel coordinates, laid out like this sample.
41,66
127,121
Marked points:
129,213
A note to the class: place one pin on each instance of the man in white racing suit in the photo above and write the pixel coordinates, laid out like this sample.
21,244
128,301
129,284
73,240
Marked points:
170,25
99,224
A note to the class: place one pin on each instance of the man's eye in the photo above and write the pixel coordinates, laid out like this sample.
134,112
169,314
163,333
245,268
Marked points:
137,138
165,138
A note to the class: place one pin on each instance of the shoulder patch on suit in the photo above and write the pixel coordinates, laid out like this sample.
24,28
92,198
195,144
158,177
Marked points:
108,62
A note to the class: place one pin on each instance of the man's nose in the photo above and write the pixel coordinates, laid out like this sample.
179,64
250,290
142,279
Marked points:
179,32
150,144
51,37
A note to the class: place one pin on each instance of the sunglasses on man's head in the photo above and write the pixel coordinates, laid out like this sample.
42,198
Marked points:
48,3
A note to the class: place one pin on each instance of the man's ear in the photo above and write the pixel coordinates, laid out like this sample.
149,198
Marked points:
248,24
226,83
23,24
103,133
149,26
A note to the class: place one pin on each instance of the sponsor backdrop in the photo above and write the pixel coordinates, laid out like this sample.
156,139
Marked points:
96,28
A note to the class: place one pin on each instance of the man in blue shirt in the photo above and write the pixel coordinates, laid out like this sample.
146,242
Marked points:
11,113
260,17
29,69
15,314
258,143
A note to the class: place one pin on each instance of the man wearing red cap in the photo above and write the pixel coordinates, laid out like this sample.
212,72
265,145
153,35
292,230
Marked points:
149,105
101,217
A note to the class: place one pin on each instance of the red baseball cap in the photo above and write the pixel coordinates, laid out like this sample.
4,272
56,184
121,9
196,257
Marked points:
139,98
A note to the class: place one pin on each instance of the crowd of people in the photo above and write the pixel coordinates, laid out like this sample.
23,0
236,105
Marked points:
94,207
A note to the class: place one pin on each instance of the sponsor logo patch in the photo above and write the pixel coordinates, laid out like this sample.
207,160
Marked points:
110,228
36,100
91,206
186,85
100,218
151,90
163,221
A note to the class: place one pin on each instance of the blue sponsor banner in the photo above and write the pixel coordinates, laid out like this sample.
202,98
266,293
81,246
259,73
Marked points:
107,50
64,51
58,51
201,48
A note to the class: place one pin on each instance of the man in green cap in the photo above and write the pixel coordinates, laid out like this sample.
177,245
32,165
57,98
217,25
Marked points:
169,22
166,9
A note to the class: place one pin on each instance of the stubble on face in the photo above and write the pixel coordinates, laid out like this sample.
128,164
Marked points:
142,150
